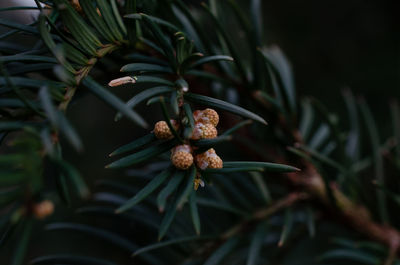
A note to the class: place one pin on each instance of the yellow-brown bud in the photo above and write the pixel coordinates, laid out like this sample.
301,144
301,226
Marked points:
204,131
43,209
215,162
198,182
162,131
212,116
181,157
76,5
206,116
208,159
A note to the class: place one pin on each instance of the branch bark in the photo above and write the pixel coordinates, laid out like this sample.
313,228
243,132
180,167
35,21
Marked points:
357,216
258,216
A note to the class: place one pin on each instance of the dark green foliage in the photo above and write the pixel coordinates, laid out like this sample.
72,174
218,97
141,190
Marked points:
245,213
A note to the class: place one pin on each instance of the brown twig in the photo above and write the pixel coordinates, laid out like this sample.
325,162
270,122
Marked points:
357,216
264,213
391,257
84,71
258,216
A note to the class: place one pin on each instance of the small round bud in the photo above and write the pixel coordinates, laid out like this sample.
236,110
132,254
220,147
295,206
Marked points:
204,131
43,209
215,162
181,157
197,115
162,131
212,116
184,148
208,159
201,161
182,160
206,116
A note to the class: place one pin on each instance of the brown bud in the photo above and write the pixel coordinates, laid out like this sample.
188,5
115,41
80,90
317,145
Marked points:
181,157
43,209
76,5
215,162
204,131
162,131
206,116
197,115
208,159
212,116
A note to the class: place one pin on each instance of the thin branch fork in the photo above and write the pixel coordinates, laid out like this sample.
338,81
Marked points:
258,216
357,216
264,213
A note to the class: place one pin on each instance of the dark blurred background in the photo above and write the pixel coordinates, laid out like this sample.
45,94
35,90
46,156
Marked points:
336,44
331,44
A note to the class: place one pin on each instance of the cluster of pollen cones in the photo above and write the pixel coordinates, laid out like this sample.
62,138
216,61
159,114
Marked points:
183,156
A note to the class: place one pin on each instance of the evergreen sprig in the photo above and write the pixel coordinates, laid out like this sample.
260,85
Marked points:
245,214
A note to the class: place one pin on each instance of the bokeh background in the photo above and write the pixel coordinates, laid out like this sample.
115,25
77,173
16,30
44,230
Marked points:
336,44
